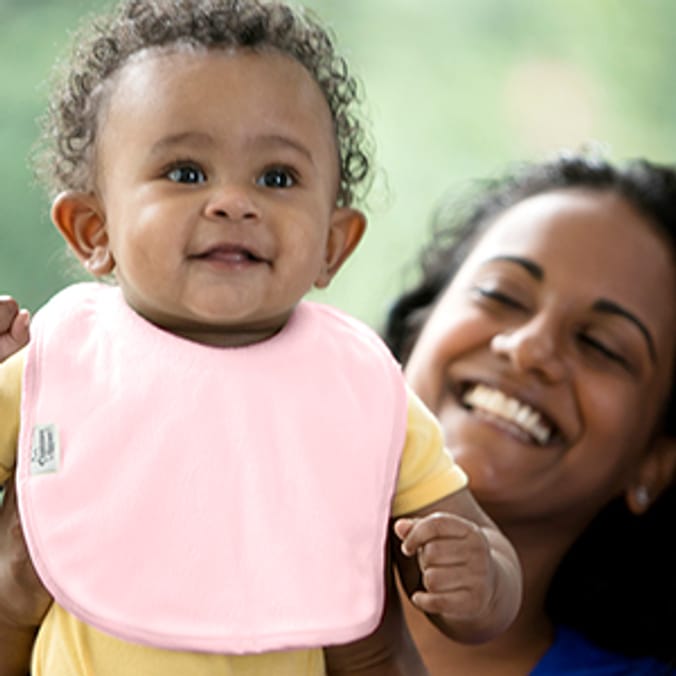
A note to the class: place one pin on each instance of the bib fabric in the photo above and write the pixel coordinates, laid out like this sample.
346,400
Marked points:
231,500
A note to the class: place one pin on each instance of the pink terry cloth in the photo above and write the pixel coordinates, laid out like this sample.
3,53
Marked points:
230,500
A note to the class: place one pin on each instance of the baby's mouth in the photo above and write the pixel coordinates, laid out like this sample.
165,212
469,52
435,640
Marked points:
231,254
494,403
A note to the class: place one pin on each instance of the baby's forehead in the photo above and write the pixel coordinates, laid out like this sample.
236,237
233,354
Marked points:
238,98
219,71
150,67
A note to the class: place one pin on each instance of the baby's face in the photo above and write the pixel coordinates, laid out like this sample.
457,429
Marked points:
217,173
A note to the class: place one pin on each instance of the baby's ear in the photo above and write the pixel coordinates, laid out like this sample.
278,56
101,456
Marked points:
346,229
80,219
655,474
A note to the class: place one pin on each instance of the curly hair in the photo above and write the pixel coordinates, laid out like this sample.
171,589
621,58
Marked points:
63,156
616,583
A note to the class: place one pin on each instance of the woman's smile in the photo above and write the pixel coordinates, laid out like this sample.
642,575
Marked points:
508,413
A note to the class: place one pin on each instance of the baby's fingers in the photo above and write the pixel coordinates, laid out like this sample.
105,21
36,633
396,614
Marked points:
19,329
456,603
14,327
8,311
415,533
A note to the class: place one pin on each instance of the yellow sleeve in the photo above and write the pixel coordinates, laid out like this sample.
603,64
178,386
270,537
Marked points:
11,373
427,471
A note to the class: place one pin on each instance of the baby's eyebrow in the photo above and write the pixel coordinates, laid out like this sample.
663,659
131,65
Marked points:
202,139
193,137
282,140
610,307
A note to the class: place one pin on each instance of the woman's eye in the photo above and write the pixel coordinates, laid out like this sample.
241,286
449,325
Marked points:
498,296
276,178
186,174
603,350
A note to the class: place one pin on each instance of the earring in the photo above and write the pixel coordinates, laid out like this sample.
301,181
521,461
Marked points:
642,496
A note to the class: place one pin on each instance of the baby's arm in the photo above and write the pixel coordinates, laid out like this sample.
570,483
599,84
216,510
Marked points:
23,600
388,651
459,569
13,327
13,336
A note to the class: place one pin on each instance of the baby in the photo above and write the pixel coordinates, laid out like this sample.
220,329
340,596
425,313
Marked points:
208,464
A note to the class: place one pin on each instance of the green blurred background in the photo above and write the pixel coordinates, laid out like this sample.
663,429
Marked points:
455,89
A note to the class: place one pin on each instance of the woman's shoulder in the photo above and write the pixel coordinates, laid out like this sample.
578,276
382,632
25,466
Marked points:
572,653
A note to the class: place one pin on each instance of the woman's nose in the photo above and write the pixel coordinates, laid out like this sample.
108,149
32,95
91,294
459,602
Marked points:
232,202
532,347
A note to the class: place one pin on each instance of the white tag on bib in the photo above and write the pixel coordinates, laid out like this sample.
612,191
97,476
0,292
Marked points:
45,452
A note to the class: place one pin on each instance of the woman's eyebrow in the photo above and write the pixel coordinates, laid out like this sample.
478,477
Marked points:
609,307
532,268
601,305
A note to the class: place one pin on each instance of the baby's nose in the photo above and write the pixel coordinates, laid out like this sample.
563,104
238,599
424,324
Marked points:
232,202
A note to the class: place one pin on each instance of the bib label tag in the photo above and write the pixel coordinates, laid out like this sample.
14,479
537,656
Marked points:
45,451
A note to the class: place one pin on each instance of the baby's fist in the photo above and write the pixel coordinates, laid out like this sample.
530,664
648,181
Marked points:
13,327
456,565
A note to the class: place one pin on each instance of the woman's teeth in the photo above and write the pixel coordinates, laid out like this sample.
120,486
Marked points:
498,404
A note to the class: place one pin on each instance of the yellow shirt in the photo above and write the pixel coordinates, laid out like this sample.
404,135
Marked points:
426,474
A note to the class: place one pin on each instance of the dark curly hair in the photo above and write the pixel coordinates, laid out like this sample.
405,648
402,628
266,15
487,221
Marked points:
616,584
64,152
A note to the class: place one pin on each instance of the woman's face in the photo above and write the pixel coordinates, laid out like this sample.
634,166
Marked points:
550,355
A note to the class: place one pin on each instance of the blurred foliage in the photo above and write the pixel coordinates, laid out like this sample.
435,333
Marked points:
455,90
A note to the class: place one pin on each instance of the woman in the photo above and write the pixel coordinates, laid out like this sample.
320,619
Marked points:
542,335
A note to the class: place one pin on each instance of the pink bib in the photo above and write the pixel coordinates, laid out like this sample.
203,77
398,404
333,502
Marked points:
229,500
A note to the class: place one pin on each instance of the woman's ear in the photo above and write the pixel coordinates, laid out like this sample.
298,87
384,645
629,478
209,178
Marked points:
346,229
80,219
655,473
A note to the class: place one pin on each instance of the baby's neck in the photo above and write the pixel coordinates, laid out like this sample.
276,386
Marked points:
225,338
214,334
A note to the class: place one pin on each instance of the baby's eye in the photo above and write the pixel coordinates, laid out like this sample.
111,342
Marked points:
186,173
277,177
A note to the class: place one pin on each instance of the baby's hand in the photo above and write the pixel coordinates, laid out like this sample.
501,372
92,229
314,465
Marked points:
457,569
13,327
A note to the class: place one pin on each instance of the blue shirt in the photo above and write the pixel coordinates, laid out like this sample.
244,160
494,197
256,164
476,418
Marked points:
571,653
